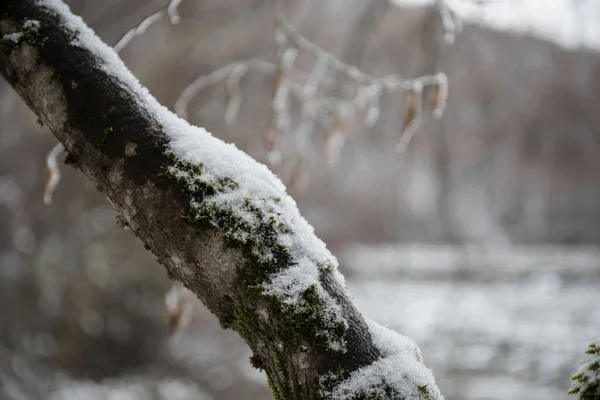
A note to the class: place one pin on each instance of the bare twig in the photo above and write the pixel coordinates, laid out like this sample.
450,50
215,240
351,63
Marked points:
332,92
234,93
138,29
452,24
412,118
168,10
172,12
217,76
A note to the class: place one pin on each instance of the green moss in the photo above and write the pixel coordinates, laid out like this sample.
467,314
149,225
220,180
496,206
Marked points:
257,362
27,32
107,131
307,321
382,391
426,393
121,222
9,42
304,324
276,396
227,183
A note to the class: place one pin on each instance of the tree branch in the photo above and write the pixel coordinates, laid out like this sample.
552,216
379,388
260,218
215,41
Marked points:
218,221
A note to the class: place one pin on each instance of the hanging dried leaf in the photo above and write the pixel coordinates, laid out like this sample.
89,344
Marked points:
300,176
179,305
335,141
412,118
411,109
272,140
438,99
52,172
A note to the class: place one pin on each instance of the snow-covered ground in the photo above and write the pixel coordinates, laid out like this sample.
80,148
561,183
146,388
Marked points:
508,324
493,324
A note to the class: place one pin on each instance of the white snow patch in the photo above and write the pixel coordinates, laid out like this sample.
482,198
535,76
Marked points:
196,145
390,342
32,24
289,285
400,369
13,37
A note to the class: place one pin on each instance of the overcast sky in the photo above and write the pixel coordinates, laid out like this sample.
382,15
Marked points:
571,23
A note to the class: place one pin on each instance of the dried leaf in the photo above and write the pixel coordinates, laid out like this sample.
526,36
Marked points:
335,141
438,99
272,139
412,118
300,177
411,109
179,305
52,173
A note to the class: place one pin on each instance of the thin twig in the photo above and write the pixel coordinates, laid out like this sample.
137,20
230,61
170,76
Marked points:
216,76
168,10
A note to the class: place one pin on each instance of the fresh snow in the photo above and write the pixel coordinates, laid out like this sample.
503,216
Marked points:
16,36
289,285
13,37
31,24
401,368
390,343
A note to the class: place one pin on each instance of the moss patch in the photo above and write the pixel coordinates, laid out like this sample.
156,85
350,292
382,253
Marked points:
254,227
106,133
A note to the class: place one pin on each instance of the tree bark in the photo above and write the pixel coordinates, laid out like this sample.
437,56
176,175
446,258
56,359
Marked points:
111,135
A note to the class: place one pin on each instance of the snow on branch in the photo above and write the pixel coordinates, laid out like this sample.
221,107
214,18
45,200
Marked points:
169,10
399,374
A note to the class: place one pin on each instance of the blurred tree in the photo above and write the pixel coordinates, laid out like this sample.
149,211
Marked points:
586,382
